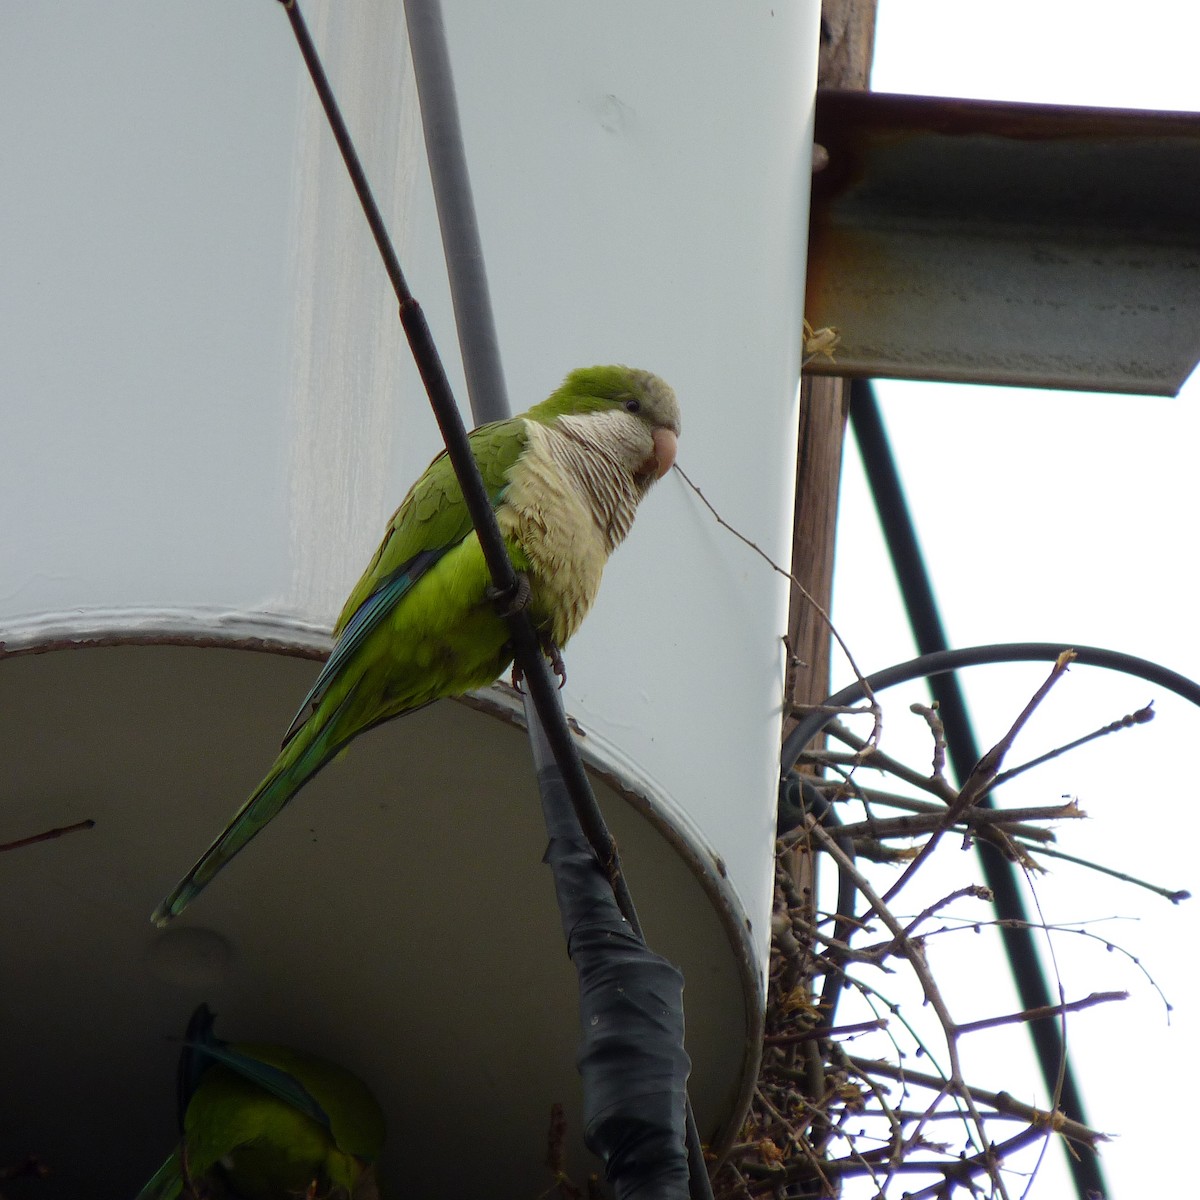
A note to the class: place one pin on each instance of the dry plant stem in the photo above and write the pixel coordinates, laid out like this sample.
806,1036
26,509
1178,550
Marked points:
1011,818
907,1115
1044,1010
48,835
961,1170
870,994
882,761
978,819
801,1144
846,710
1001,828
920,968
556,1139
873,850
1137,718
1052,955
983,773
955,1172
896,1139
837,637
556,1157
839,786
801,1119
938,730
819,343
936,783
784,1124
1108,944
844,951
1175,895
975,890
743,1184
823,1031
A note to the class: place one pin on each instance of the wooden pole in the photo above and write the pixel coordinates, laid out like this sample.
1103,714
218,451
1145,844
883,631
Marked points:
847,42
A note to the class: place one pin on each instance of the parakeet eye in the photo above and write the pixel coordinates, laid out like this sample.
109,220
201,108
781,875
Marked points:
633,406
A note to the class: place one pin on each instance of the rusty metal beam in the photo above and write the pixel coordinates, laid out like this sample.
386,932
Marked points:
1007,243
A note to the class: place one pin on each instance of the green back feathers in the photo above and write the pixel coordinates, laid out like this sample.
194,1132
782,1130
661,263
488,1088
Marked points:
268,1121
352,1114
432,518
320,1090
434,514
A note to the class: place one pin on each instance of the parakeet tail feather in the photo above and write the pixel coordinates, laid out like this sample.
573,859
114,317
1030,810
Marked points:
312,747
166,1183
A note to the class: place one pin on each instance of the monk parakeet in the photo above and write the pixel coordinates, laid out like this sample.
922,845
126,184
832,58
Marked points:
267,1123
565,479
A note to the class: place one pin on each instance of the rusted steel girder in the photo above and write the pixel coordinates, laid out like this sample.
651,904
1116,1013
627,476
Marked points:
1024,244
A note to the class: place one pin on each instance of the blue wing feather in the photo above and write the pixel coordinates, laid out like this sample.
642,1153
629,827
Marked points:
377,606
280,1083
202,1047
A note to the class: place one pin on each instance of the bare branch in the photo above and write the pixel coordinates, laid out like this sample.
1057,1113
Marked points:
984,772
1136,718
48,835
1044,1010
1001,1101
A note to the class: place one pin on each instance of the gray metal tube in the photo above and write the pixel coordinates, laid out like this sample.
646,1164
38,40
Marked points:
461,244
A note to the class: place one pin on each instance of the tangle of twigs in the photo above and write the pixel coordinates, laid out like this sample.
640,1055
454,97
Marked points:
823,1113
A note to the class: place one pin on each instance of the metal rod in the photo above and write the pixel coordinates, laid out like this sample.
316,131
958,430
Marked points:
441,398
543,693
455,204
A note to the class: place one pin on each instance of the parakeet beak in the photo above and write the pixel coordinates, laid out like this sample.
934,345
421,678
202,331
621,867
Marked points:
666,444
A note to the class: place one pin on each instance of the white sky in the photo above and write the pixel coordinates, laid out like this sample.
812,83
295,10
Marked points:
1049,516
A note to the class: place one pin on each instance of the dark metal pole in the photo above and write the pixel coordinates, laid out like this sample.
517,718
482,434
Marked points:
999,874
543,700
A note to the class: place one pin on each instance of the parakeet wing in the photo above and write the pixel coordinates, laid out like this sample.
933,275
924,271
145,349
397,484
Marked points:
251,1064
432,519
202,1047
351,1112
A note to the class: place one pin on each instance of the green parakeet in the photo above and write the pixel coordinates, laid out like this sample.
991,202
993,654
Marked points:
267,1123
565,479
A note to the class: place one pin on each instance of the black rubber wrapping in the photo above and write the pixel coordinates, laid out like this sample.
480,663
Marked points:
631,1058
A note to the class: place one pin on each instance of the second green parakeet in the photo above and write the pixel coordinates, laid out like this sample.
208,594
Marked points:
262,1122
565,479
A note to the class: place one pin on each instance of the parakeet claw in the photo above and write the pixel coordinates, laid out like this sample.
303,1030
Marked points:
510,601
557,665
551,651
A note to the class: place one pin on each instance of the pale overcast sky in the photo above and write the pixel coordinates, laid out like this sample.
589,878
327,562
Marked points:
1049,516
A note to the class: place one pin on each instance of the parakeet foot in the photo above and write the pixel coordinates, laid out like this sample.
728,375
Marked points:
510,601
551,651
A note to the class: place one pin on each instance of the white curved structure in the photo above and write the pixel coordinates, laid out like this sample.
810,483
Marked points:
209,415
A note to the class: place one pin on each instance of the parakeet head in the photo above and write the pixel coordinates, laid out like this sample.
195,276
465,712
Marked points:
639,406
